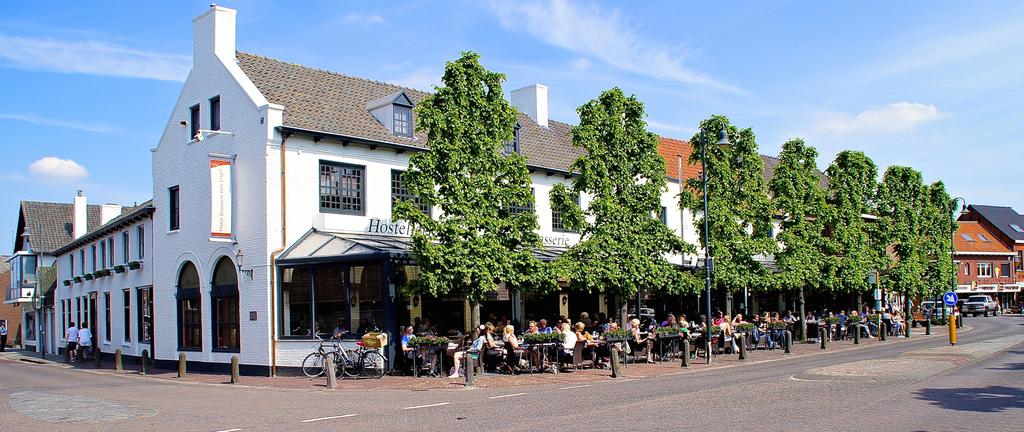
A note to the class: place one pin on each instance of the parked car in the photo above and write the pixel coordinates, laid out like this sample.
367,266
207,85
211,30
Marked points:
926,308
980,304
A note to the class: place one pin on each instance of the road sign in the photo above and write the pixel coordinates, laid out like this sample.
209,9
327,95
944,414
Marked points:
949,298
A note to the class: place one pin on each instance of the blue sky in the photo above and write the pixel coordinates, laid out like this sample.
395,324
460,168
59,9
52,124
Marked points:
937,85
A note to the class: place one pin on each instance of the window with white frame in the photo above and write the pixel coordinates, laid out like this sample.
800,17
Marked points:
984,270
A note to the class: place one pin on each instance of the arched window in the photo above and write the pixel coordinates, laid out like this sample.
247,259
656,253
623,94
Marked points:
224,299
190,324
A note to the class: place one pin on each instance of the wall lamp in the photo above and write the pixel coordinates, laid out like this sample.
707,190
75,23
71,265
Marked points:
239,257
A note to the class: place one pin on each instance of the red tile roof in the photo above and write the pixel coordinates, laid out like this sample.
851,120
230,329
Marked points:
976,231
670,150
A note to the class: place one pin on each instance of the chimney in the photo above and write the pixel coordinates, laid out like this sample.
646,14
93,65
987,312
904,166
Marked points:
214,33
532,100
108,212
81,219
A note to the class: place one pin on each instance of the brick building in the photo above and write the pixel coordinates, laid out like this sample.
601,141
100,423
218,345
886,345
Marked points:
989,253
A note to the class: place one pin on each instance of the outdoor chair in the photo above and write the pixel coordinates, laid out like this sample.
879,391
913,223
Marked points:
577,355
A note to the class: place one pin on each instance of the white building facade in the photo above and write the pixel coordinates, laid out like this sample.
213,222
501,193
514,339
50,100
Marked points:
274,186
105,280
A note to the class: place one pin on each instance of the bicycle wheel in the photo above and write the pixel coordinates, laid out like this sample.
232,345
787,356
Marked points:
339,364
313,365
373,364
347,364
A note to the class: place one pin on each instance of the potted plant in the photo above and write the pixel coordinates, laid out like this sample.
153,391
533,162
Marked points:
89,276
746,327
538,338
777,325
716,330
616,335
668,332
428,341
78,279
103,272
67,282
119,268
134,265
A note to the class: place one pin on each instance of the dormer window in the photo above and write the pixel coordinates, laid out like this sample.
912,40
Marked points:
403,121
394,111
512,146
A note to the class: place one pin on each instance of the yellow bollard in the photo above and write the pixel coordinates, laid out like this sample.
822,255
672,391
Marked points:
951,322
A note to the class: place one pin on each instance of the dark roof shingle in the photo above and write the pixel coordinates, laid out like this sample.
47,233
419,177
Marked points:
50,224
1002,218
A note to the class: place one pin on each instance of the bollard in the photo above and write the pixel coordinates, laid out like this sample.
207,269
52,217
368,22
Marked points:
686,353
145,362
234,369
469,369
332,377
98,356
789,342
118,365
952,332
181,365
881,331
743,347
823,337
927,326
959,321
615,361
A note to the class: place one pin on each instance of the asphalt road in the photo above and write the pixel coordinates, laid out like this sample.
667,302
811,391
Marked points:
987,394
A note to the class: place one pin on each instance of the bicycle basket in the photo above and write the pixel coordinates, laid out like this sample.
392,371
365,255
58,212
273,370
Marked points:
375,340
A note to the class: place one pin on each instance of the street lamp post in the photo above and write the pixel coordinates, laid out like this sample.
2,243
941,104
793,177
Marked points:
952,245
723,141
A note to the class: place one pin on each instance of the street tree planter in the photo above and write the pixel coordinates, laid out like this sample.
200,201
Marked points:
67,282
119,269
135,265
78,279
89,276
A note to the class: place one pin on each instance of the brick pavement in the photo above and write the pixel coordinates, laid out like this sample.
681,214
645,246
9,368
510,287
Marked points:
491,380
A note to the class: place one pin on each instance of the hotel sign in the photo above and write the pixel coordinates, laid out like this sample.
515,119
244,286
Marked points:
220,198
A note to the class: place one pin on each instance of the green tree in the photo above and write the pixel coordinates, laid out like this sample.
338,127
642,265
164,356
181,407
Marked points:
477,241
937,230
740,212
901,199
799,200
849,253
623,244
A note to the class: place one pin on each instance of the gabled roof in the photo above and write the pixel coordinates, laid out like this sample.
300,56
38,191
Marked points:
128,215
50,224
671,149
978,233
329,103
1001,218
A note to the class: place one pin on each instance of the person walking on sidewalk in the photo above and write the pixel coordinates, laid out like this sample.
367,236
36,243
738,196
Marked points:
3,335
85,342
71,336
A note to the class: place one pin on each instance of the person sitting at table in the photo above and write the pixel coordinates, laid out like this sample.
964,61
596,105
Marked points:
532,328
737,320
639,342
898,323
339,330
670,321
568,344
427,361
513,351
542,326
473,352
585,319
717,318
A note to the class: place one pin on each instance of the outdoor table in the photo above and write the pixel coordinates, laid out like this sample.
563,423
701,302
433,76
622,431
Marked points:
437,368
543,347
666,339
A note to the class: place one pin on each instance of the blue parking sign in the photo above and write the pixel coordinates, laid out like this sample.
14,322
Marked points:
949,298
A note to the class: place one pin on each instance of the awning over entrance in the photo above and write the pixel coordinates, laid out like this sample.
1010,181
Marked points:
318,247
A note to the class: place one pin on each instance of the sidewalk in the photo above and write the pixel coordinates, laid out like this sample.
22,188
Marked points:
492,380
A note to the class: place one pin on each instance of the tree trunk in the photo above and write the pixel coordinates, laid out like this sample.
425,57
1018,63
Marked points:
728,302
803,315
623,311
474,315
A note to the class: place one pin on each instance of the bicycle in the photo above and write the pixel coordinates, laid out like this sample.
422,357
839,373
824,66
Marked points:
313,364
362,361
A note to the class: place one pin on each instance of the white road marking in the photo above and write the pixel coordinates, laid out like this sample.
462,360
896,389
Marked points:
427,406
508,395
326,418
230,430
575,387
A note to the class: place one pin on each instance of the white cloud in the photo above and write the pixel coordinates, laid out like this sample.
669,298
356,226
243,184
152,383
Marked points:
420,79
34,119
92,58
364,19
56,169
604,36
684,132
580,64
896,117
976,48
